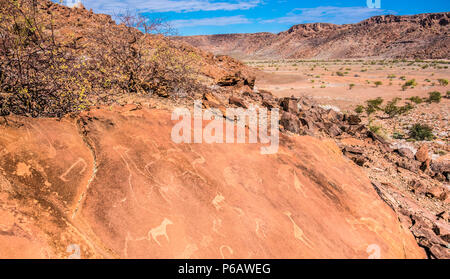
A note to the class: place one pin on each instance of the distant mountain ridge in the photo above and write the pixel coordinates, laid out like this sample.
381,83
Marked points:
424,36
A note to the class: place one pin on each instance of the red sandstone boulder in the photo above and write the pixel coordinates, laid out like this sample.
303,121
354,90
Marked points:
113,183
422,154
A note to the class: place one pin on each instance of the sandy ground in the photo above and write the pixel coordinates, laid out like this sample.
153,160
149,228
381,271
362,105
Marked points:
320,80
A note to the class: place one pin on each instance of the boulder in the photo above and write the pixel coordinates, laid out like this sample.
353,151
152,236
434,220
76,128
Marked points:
228,80
384,145
332,129
353,119
405,152
290,122
237,102
290,105
410,165
436,192
422,154
441,165
182,201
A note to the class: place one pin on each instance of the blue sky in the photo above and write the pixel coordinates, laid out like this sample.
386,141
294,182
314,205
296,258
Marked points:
199,17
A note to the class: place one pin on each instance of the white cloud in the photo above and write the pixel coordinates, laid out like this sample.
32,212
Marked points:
337,15
215,21
168,5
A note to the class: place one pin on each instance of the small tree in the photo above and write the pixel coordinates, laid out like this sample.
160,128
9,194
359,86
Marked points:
378,83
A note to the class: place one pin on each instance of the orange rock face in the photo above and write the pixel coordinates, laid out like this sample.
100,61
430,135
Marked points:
422,154
112,183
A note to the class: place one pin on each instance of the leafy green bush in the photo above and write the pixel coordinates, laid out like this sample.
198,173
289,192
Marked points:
421,132
434,97
443,82
409,83
359,109
373,105
416,99
392,109
375,102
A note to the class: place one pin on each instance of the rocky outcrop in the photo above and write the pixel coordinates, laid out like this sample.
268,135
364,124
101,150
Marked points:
112,183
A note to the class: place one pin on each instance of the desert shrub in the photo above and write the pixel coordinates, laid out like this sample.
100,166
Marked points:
341,74
378,129
359,109
398,135
44,75
373,105
378,83
443,82
392,109
375,128
409,83
391,76
375,102
448,94
351,85
39,76
416,99
434,97
141,62
421,132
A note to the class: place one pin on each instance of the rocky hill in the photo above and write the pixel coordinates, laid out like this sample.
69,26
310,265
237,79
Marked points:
424,36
